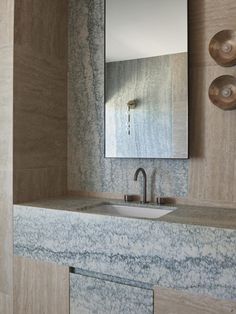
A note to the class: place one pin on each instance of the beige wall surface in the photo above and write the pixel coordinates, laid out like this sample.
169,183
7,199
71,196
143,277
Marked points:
212,173
6,124
40,99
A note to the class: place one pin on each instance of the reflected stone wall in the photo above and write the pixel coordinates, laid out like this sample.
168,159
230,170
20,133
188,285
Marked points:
158,125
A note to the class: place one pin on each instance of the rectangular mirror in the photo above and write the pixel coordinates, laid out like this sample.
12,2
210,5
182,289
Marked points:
146,82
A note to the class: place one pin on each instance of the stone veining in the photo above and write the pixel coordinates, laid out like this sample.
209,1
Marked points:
192,258
92,295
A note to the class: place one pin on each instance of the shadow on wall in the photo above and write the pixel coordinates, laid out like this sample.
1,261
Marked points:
197,79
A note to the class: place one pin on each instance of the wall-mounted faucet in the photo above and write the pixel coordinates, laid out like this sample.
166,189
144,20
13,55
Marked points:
144,196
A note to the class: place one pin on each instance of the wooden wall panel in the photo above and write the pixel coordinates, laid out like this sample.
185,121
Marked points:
40,99
170,301
40,287
5,303
212,174
6,139
207,17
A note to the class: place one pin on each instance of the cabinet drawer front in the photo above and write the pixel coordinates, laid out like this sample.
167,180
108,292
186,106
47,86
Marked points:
170,301
40,287
92,295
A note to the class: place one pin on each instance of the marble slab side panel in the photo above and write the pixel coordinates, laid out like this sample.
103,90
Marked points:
192,258
88,170
92,295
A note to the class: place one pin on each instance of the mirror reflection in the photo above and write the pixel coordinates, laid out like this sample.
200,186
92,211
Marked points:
146,109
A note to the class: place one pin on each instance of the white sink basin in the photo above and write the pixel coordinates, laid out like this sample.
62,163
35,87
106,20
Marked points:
132,211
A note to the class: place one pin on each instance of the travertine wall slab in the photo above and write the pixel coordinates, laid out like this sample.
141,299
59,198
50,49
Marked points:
212,131
6,140
40,99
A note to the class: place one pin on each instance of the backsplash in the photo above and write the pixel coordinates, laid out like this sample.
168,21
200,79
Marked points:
88,170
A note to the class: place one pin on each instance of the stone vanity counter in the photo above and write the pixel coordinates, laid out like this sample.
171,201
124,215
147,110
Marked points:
192,249
193,215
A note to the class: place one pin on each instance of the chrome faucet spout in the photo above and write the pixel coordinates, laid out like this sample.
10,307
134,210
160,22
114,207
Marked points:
144,196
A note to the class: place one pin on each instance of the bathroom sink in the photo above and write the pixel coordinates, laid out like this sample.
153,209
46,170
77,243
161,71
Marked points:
131,211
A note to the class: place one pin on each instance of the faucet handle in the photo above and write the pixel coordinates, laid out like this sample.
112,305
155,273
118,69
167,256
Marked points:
160,200
128,197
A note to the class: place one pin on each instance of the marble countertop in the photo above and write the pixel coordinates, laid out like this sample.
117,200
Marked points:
190,215
191,249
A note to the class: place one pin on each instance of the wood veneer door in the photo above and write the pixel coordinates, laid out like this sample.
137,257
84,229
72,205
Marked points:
40,288
170,301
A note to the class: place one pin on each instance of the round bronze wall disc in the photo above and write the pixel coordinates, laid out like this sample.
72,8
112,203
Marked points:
222,92
222,48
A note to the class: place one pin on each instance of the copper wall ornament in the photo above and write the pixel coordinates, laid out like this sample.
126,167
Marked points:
222,92
222,48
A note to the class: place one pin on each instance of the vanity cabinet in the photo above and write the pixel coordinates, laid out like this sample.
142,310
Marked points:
48,288
93,295
114,266
40,288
